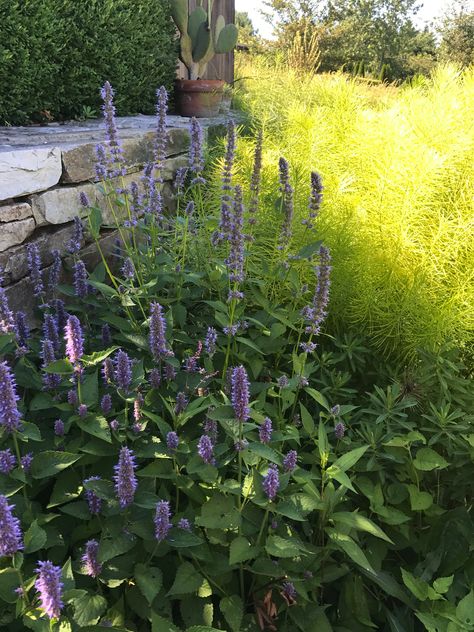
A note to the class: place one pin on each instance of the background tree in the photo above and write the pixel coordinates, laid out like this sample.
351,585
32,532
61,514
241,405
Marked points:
457,33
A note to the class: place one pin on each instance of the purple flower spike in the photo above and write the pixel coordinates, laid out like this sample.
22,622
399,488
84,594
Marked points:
240,445
106,335
114,425
128,269
123,370
137,408
289,461
125,479
82,410
170,373
172,440
74,245
184,524
34,266
9,413
286,191
11,539
226,199
236,238
161,136
7,461
108,370
210,342
108,109
61,314
158,344
155,378
22,331
7,321
50,331
59,428
162,520
288,592
181,403
316,313
339,430
93,501
240,393
74,340
196,158
283,381
106,404
50,588
315,199
205,449
179,179
54,271
256,178
271,482
26,462
72,397
265,431
81,287
90,561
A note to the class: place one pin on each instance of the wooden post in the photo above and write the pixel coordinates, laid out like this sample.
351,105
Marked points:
222,66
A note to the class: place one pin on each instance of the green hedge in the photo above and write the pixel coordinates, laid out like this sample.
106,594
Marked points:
55,55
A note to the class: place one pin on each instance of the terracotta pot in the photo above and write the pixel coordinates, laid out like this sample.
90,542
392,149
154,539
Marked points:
200,98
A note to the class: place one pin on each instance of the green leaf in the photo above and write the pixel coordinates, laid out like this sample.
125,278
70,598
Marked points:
241,550
427,459
415,585
9,580
181,539
201,628
307,420
443,584
219,512
323,445
309,250
350,548
283,547
158,624
359,522
250,344
318,397
113,546
95,221
30,431
346,461
60,367
96,426
465,610
88,609
233,610
35,538
49,463
420,501
149,581
187,580
90,389
264,452
98,356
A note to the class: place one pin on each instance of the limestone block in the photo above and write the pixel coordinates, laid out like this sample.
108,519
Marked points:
13,233
79,159
15,212
28,170
173,164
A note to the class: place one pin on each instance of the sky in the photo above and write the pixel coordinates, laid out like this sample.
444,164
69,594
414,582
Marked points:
431,10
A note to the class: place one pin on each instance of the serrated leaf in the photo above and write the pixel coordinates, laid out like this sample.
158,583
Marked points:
114,546
9,580
219,512
158,624
233,610
241,550
415,585
149,580
443,584
98,356
350,548
35,538
187,580
60,367
465,610
49,463
97,426
88,609
282,547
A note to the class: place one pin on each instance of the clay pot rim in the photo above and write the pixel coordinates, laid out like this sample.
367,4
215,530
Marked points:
199,85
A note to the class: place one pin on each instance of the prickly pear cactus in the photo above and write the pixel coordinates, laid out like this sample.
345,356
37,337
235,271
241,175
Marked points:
200,40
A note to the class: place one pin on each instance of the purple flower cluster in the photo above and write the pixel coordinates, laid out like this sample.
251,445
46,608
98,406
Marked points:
106,335
271,482
286,191
7,461
108,109
181,403
184,524
339,430
226,199
106,404
162,520
289,461
240,445
240,394
128,269
196,156
288,592
55,270
74,340
108,370
34,267
236,239
256,178
81,286
205,448
172,440
7,322
50,380
50,588
22,331
210,342
59,428
170,373
210,428
158,345
91,564
265,431
50,332
315,199
125,479
155,378
316,312
82,410
11,538
161,136
93,501
75,243
9,413
123,370
26,461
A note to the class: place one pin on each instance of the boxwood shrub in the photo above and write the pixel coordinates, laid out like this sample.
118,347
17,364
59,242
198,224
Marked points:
54,54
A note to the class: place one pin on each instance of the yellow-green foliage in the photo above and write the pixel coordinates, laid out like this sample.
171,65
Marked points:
398,211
